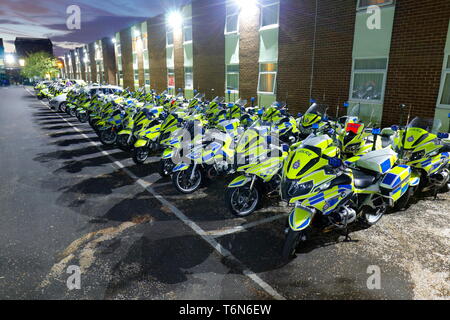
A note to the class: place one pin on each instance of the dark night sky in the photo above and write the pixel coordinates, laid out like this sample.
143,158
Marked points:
47,19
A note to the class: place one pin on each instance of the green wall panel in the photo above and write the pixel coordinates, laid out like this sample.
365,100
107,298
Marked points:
268,45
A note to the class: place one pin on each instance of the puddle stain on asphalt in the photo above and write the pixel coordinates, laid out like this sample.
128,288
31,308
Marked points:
84,248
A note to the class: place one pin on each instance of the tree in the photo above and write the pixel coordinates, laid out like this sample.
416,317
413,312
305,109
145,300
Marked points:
40,64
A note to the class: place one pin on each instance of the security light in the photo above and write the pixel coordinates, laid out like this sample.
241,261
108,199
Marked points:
22,62
136,33
10,59
175,19
113,40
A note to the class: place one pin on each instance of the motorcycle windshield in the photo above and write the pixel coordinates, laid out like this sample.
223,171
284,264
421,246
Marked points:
300,162
429,125
317,109
241,102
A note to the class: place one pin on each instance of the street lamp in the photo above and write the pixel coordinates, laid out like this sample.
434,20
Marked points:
22,62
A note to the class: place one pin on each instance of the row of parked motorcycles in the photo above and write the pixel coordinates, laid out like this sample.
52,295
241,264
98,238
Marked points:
333,172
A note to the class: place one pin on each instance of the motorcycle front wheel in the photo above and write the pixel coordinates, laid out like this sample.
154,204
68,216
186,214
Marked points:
62,107
82,117
290,244
140,155
242,201
183,182
108,137
122,142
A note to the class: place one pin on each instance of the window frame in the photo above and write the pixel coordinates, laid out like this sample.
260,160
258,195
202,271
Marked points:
189,25
388,3
445,73
169,73
270,26
268,72
367,71
228,15
192,76
167,38
227,73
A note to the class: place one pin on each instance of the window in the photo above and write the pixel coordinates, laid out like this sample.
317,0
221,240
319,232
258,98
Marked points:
187,33
445,96
369,76
267,77
367,3
188,78
169,38
232,77
232,20
269,15
171,78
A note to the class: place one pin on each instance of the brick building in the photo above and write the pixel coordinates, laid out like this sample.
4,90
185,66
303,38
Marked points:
289,50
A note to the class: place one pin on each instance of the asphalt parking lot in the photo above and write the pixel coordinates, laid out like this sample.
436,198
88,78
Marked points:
65,200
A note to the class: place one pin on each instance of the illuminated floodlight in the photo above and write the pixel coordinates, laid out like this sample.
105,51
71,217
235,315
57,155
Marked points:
175,19
22,62
248,7
136,33
113,40
10,59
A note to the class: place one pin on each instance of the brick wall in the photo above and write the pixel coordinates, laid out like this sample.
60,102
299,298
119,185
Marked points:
127,58
91,50
208,24
416,57
109,61
157,53
333,52
249,54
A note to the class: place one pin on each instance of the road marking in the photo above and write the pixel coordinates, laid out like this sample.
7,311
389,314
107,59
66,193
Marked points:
244,227
180,215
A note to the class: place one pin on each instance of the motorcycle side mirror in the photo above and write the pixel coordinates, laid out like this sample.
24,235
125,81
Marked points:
285,147
299,114
315,126
443,135
376,131
394,128
335,162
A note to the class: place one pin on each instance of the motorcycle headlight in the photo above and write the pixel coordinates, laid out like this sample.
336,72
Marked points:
293,189
352,148
417,155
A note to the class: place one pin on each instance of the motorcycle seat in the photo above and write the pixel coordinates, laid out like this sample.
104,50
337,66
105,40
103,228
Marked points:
363,180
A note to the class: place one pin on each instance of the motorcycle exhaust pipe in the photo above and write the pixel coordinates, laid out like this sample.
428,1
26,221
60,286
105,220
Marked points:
441,178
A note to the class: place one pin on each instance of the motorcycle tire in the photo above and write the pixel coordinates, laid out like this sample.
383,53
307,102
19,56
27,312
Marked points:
108,137
140,155
179,177
404,201
122,142
291,243
234,205
82,117
62,106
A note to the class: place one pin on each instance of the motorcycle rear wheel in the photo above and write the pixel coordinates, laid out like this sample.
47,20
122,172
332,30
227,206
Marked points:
183,183
242,201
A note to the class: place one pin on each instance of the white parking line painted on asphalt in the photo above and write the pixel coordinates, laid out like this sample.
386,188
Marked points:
244,227
180,215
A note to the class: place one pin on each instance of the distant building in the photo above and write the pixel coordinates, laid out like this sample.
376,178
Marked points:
27,46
